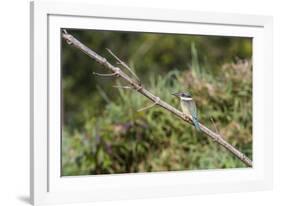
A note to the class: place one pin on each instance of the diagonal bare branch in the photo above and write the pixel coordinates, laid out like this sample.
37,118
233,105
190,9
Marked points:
187,118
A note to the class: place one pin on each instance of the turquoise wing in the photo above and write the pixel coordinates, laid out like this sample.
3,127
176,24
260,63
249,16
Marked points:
193,112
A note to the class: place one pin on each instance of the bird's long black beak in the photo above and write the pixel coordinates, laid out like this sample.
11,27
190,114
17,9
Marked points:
176,94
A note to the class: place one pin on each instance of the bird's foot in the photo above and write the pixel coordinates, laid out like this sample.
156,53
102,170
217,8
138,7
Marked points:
185,116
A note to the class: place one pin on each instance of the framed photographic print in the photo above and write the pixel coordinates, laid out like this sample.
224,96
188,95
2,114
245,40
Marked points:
127,105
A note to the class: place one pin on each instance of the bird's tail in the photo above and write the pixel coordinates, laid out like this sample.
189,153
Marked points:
196,123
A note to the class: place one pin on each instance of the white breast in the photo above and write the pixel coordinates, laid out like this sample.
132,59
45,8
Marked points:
184,108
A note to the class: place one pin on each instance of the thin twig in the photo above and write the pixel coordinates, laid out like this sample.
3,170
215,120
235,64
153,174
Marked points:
214,125
123,64
123,87
115,73
103,61
104,75
149,106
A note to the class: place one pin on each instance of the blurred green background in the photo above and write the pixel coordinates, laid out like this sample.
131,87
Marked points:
102,131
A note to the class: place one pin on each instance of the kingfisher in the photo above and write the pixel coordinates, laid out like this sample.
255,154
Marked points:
188,107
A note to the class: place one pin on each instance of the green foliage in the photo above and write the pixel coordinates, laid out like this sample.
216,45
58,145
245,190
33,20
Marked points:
103,133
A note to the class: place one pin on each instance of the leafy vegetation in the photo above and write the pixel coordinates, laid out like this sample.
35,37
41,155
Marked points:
102,131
